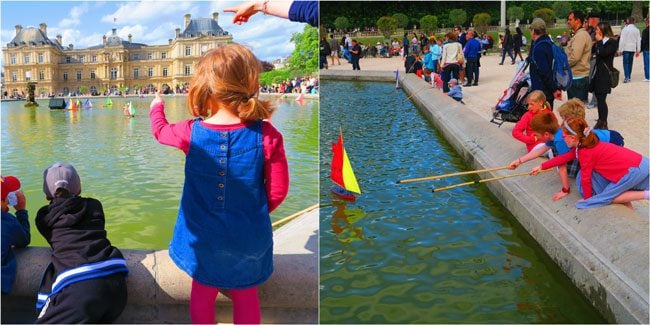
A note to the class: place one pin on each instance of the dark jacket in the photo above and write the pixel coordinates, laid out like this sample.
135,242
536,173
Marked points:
541,60
74,228
517,41
645,39
15,233
409,64
305,12
601,82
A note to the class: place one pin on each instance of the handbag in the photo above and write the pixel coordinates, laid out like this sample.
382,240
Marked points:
614,76
460,56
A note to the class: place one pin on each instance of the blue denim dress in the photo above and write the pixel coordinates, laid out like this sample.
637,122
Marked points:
223,236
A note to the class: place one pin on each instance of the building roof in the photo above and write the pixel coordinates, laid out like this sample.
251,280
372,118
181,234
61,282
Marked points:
32,36
114,40
203,27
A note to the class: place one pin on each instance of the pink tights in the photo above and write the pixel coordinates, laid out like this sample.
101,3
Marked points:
246,305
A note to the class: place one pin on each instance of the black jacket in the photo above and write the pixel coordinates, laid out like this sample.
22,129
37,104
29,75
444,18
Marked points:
74,228
601,82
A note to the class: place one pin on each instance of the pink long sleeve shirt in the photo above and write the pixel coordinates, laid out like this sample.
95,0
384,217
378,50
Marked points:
522,126
609,160
276,169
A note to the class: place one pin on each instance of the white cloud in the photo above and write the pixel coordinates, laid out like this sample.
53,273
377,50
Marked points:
74,17
149,11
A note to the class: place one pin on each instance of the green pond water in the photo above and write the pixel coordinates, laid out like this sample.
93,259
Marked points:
138,180
402,254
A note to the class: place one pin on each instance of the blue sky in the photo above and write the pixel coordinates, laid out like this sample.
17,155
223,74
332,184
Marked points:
83,23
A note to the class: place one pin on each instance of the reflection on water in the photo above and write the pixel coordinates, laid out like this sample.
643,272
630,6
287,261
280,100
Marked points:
401,254
138,181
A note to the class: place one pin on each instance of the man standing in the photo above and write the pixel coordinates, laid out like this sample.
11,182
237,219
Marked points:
541,59
471,51
644,48
579,52
334,47
629,44
593,19
355,52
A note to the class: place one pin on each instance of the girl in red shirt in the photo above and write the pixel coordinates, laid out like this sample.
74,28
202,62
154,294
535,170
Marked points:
608,173
522,130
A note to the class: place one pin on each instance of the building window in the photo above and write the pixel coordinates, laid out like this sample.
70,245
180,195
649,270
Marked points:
78,74
188,50
14,76
92,74
136,56
82,59
67,59
94,58
13,59
113,73
149,56
187,69
41,75
136,73
65,75
40,57
150,72
164,72
26,58
163,55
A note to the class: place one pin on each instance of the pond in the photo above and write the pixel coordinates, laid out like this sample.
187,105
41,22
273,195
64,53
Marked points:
402,254
138,180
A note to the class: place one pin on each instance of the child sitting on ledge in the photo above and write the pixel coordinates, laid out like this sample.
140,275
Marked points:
455,91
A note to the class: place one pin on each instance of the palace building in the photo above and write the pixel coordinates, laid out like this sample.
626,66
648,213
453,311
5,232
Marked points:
115,64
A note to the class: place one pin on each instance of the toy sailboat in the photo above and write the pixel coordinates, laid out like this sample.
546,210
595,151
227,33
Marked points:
72,106
108,102
341,172
88,104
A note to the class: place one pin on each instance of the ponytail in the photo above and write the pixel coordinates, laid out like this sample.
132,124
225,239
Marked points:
579,128
254,109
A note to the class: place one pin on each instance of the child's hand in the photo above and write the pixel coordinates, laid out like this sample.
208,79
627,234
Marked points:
514,164
535,171
559,195
21,201
157,100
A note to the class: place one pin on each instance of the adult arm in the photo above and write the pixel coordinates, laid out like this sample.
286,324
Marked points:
276,168
175,135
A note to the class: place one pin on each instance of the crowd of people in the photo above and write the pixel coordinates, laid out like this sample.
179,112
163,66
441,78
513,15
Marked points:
303,85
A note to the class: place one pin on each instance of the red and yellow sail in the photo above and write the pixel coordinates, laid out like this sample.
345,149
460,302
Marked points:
341,171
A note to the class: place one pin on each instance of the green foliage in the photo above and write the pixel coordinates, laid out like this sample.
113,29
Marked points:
387,25
428,23
457,16
275,76
513,13
481,22
562,9
83,89
304,58
547,15
342,23
401,19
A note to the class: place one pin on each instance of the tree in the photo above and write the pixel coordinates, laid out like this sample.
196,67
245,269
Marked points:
428,23
341,23
562,9
267,66
387,26
547,15
304,58
401,19
481,22
637,11
513,13
83,90
457,16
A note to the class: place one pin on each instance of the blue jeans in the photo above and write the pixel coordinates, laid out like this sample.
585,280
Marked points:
503,55
628,59
646,64
579,89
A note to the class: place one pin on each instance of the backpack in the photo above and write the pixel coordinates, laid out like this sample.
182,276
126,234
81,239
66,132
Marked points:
562,76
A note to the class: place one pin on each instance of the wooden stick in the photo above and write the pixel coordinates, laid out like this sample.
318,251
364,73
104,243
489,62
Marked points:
413,94
484,180
293,216
411,180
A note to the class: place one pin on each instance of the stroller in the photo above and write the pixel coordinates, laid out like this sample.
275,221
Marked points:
512,104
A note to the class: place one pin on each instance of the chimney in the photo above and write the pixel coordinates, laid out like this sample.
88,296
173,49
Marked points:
59,39
19,28
70,46
129,38
178,32
215,16
43,28
170,41
104,39
187,19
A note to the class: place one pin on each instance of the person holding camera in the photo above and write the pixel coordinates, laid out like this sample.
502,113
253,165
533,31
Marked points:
15,229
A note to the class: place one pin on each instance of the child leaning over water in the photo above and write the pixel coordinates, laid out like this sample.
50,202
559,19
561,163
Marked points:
609,173
522,130
236,173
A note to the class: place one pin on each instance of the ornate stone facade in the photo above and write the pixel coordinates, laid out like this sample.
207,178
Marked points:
114,64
